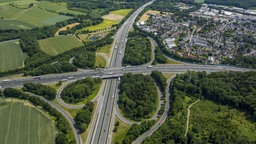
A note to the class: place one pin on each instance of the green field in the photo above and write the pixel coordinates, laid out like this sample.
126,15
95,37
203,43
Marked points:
122,130
100,61
122,12
8,11
57,7
11,56
105,24
59,44
14,24
105,50
39,17
21,123
21,16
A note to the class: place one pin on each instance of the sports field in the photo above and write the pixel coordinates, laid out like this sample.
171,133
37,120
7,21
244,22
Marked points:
59,44
11,55
24,124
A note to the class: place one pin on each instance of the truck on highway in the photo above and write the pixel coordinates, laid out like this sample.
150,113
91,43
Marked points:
6,81
63,80
37,77
70,77
150,66
110,73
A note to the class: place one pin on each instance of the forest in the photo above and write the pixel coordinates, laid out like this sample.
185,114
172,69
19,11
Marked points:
64,134
137,96
83,117
39,89
230,96
237,3
77,91
138,49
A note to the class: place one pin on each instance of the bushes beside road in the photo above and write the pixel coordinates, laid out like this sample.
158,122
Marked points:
83,117
39,89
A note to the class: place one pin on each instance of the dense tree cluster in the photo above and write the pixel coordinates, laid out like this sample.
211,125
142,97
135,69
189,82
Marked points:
160,79
237,3
64,134
138,50
242,61
138,96
83,117
85,60
77,91
39,89
159,57
136,130
235,89
58,67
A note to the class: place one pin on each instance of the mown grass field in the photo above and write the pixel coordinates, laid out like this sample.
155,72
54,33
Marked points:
21,123
11,56
122,129
59,44
105,50
122,12
100,61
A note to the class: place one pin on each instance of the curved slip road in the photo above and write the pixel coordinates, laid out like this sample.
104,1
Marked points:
162,118
66,115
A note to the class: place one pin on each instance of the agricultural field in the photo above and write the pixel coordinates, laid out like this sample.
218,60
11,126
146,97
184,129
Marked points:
39,17
22,123
56,45
57,7
20,16
11,56
14,24
145,16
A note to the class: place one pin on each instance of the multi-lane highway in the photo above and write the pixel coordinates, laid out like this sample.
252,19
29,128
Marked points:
118,71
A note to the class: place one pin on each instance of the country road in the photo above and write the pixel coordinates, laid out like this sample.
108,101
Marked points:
188,116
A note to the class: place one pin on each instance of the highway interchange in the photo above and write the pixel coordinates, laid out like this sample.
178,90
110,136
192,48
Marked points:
103,119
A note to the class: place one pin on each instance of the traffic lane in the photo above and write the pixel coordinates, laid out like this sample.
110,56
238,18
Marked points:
108,114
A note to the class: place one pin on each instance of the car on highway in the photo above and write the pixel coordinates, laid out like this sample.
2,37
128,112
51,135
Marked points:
120,52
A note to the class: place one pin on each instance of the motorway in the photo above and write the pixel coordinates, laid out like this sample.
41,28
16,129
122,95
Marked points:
102,131
118,71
